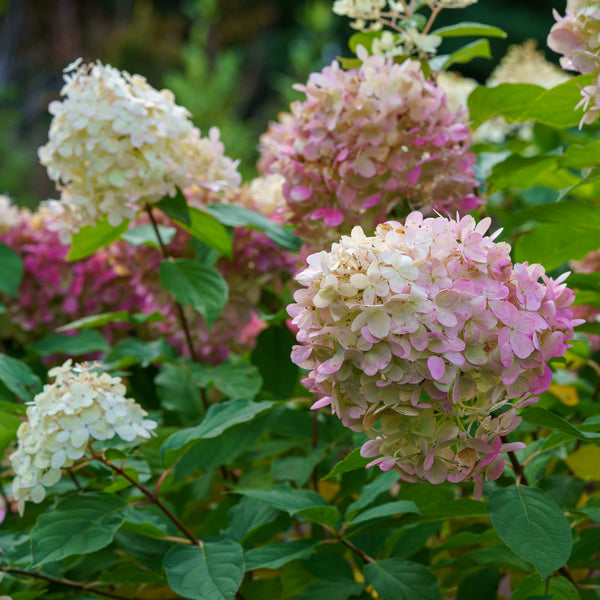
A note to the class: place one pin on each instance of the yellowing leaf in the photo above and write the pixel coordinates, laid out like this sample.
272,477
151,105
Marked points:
328,490
567,394
585,462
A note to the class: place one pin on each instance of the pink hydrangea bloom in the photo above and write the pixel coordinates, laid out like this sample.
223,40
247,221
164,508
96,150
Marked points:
54,291
368,142
418,334
577,37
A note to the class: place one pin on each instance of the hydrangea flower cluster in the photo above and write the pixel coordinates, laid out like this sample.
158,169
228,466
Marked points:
81,405
367,142
116,143
577,37
428,329
54,291
257,264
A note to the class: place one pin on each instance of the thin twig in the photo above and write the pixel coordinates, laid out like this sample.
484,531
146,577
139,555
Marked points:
517,466
182,318
67,582
153,498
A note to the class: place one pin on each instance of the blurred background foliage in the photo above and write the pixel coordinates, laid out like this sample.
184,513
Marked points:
232,63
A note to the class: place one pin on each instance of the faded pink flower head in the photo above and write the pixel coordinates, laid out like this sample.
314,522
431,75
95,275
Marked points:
422,335
577,37
368,142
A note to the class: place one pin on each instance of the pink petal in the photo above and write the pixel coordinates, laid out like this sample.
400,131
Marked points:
437,367
300,193
413,175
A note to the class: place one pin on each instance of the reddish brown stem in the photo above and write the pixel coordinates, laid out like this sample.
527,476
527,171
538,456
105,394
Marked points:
150,495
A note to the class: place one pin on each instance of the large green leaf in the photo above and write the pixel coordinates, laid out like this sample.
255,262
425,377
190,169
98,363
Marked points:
296,502
277,554
556,106
11,270
238,216
211,571
510,100
119,316
219,418
79,524
394,578
72,345
544,418
246,516
556,588
176,208
133,351
476,49
554,245
234,377
145,235
195,285
351,462
522,172
336,588
371,491
209,231
532,525
385,510
93,237
467,28
19,378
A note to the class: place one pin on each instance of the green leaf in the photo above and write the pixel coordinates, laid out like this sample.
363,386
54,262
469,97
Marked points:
554,245
195,285
72,345
476,49
238,216
544,418
145,235
11,270
219,418
509,100
19,378
234,377
522,172
211,571
246,516
371,491
469,28
132,351
394,578
323,515
120,316
272,357
364,39
176,208
385,510
481,584
351,462
532,525
556,588
556,106
79,524
277,554
585,281
91,238
206,228
177,391
578,214
577,156
296,502
332,589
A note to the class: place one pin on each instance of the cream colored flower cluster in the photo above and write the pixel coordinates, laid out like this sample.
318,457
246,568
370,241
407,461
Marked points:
10,215
116,143
80,406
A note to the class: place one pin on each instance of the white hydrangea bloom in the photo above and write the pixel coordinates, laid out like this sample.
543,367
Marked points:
10,214
81,405
116,143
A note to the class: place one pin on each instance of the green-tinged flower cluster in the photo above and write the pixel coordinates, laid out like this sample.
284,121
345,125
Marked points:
81,405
